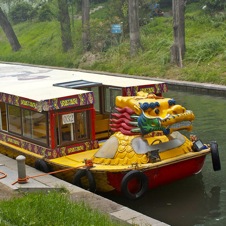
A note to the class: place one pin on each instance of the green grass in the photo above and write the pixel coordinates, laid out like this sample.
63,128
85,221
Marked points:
204,59
52,208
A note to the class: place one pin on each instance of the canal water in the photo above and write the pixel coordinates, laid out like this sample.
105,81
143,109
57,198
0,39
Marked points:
200,199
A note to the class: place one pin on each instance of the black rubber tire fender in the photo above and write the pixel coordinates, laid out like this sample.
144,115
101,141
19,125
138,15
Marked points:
130,176
41,165
84,173
215,156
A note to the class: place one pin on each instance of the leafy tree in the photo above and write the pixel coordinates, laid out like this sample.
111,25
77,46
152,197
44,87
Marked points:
45,13
21,12
8,3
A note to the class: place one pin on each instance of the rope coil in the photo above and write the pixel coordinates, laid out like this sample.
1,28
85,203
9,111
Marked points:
3,175
22,180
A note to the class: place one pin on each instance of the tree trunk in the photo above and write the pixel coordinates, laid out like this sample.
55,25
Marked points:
9,32
65,25
134,27
178,48
85,26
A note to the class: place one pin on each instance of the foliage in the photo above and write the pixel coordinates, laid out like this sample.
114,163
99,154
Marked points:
214,5
114,12
205,50
78,3
165,3
45,14
22,11
100,35
37,10
48,11
41,44
50,209
118,10
205,43
98,1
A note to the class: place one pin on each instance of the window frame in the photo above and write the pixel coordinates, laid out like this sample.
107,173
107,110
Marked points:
5,118
32,129
20,133
111,98
74,127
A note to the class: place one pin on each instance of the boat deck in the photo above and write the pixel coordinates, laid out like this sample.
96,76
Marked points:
77,160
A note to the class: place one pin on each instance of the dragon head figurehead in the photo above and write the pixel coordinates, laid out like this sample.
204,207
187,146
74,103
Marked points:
141,121
148,113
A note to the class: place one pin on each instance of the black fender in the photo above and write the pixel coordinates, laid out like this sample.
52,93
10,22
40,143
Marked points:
84,173
142,179
215,156
41,165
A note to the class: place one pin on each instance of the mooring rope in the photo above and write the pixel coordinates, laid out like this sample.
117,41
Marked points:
3,175
24,180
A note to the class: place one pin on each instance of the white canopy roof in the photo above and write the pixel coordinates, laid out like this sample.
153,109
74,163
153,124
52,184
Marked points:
36,83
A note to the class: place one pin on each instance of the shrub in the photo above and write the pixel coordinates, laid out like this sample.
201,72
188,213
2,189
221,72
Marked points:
21,12
45,13
215,5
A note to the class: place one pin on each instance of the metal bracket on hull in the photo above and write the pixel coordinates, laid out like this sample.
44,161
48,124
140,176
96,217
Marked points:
154,155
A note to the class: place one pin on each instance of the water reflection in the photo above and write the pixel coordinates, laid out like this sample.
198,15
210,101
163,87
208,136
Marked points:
185,202
199,200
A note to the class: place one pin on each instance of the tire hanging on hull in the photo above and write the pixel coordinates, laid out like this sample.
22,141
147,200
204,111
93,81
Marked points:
41,165
129,177
215,156
84,173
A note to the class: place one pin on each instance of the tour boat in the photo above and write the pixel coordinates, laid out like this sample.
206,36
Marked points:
100,132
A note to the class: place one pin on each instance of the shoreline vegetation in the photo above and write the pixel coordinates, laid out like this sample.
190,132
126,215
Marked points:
41,45
52,208
204,59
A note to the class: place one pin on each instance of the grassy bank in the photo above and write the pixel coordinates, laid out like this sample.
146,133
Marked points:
205,59
50,209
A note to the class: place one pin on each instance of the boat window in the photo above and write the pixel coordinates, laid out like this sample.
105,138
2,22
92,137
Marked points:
73,127
14,117
95,87
96,92
27,123
67,131
3,118
35,125
81,125
110,94
78,84
24,122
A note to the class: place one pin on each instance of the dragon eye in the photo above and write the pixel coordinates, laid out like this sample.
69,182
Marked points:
156,111
144,106
172,102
